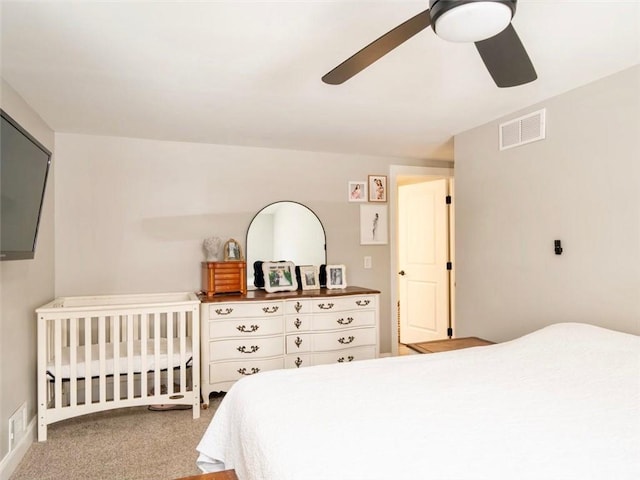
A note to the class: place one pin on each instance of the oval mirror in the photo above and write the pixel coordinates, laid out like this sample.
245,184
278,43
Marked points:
285,231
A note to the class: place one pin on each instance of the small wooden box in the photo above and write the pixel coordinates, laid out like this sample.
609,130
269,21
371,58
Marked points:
224,277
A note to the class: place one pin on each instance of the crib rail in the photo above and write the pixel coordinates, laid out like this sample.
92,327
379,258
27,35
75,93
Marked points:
95,356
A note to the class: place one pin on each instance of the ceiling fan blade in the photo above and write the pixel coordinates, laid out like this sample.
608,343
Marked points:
377,49
506,59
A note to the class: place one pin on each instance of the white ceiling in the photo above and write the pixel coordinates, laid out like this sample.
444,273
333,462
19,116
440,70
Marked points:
248,73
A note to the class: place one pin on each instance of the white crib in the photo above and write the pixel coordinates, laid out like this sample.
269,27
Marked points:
104,352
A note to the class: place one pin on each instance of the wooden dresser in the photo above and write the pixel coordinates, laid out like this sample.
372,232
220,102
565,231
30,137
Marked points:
246,334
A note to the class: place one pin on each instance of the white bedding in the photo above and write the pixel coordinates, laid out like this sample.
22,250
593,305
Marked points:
560,403
164,361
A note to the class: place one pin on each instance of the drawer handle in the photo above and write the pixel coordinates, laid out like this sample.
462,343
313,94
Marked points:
363,303
243,371
342,321
298,362
328,307
253,349
297,323
350,339
270,309
349,359
298,307
298,342
226,311
252,328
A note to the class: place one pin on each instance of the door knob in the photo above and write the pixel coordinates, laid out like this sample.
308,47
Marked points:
401,272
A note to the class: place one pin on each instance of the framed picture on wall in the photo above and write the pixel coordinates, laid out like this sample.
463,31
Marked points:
377,188
336,276
357,191
373,225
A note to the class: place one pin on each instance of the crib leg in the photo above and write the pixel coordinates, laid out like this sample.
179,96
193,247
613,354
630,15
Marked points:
195,405
42,428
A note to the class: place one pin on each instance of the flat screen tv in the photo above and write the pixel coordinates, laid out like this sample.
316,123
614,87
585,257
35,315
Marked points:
24,167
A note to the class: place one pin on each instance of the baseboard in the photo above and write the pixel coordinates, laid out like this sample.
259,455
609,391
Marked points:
10,462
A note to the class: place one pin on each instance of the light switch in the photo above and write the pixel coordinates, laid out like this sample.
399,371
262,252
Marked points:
367,262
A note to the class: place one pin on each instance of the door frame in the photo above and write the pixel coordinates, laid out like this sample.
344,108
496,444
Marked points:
396,171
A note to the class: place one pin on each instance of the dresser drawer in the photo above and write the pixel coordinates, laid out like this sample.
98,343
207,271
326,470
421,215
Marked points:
298,361
218,311
299,343
244,348
232,371
298,306
346,319
339,356
355,337
245,327
298,323
345,356
339,304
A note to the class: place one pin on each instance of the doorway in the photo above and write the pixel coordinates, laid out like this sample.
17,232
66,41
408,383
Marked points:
421,285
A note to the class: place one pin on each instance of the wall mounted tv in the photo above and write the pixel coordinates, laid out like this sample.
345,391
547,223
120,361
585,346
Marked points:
24,166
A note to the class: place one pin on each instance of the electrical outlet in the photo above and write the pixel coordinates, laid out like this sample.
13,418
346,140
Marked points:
367,262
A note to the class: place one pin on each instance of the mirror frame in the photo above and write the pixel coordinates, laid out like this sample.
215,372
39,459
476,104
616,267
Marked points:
246,243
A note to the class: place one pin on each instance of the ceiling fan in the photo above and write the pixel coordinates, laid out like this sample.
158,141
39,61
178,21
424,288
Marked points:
487,23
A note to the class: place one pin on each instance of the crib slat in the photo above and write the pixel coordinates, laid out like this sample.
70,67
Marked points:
182,334
157,373
88,392
102,353
57,358
115,340
130,370
144,336
73,362
169,337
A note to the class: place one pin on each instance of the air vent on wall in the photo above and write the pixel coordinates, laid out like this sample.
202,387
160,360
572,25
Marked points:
526,129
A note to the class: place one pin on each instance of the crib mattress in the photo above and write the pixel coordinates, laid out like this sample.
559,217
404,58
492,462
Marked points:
84,368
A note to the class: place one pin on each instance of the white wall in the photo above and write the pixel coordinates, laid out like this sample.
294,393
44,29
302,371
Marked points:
581,185
131,214
24,286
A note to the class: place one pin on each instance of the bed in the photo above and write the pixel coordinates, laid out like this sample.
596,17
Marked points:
98,353
560,403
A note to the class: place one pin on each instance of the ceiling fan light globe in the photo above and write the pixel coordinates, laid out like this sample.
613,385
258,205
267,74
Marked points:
473,22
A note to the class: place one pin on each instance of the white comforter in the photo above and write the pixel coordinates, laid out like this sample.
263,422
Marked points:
560,403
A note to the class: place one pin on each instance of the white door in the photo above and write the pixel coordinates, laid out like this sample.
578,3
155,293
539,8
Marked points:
423,250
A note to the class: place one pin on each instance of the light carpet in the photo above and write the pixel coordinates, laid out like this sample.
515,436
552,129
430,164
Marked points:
124,444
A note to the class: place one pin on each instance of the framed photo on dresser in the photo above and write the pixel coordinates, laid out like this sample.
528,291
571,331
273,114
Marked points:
309,277
279,277
336,276
232,251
